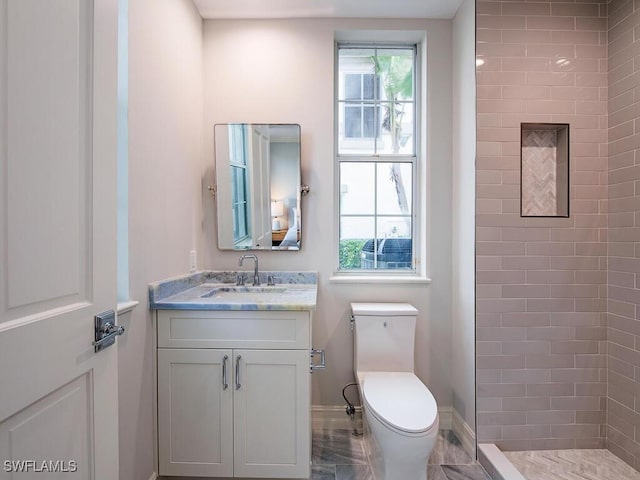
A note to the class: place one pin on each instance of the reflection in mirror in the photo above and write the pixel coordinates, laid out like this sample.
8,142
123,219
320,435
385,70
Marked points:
258,186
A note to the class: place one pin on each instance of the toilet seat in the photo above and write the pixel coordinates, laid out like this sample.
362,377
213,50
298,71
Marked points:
400,401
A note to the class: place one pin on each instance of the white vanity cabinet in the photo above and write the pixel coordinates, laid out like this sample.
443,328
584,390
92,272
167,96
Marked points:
234,393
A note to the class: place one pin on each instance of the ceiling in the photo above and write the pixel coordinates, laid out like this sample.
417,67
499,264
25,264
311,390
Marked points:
327,8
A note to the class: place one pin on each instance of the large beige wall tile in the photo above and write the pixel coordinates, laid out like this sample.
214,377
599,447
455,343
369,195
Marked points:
623,349
541,333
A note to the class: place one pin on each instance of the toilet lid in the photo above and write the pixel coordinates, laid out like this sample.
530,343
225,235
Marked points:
400,400
384,309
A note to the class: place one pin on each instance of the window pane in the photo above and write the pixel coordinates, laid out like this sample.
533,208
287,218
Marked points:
239,202
369,123
350,139
396,73
239,184
394,188
353,86
242,223
354,233
357,227
394,227
390,253
396,122
357,188
369,90
352,121
353,61
236,145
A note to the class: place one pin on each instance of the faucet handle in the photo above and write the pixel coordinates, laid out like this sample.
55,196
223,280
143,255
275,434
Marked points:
271,280
239,279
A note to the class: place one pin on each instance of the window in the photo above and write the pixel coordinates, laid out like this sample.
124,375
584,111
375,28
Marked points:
376,158
238,156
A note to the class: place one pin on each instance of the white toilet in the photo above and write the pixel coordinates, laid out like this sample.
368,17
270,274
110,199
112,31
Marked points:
400,413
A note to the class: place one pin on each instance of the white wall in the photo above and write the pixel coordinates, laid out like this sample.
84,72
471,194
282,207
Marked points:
281,71
165,200
463,285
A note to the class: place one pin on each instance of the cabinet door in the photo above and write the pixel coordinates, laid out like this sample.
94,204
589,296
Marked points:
195,412
272,435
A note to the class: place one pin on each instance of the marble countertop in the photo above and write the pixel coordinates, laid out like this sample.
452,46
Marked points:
216,290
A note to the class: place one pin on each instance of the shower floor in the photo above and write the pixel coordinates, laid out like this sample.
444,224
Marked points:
571,465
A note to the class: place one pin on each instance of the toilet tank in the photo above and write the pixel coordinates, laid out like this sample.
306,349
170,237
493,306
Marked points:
383,337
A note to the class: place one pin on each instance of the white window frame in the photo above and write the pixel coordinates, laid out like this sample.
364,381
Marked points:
237,200
418,273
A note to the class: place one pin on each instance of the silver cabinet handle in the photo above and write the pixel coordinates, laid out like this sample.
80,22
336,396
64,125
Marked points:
225,385
238,385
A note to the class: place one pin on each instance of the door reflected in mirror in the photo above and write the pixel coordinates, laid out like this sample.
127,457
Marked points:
257,169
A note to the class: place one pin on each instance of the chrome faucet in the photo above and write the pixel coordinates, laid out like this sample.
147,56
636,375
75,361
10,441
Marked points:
256,278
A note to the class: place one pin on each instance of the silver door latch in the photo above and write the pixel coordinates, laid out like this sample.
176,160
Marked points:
105,330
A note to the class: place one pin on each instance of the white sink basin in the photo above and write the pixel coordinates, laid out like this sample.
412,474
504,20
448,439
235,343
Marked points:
242,292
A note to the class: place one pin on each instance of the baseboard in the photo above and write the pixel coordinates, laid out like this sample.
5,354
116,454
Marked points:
464,433
153,476
496,463
446,417
334,416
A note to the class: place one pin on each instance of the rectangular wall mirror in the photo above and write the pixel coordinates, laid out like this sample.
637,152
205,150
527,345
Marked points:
257,169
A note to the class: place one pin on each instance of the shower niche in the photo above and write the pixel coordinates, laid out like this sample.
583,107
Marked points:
544,170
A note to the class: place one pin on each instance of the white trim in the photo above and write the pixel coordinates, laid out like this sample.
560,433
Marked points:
445,414
464,433
153,476
394,279
334,416
379,37
125,307
496,463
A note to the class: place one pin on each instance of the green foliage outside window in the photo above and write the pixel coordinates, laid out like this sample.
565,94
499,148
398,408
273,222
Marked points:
351,253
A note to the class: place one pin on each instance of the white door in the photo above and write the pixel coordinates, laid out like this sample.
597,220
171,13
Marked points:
58,398
260,187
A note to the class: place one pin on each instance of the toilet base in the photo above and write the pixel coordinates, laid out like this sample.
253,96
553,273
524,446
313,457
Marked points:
393,456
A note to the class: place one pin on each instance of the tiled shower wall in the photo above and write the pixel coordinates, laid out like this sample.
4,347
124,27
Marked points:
623,406
541,282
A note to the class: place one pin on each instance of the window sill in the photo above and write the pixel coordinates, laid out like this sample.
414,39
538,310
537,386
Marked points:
126,307
381,279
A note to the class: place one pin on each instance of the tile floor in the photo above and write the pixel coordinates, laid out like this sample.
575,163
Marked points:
338,455
571,464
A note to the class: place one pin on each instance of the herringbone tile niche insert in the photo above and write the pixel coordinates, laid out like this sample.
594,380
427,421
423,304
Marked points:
545,170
